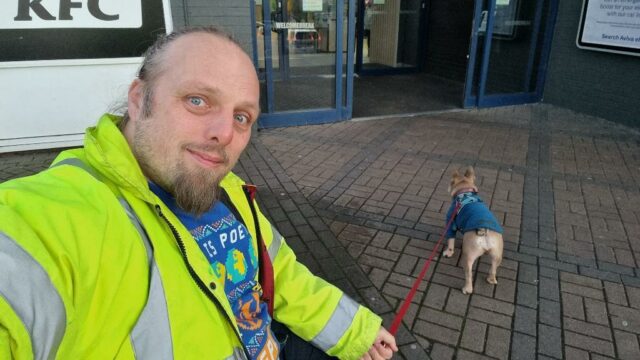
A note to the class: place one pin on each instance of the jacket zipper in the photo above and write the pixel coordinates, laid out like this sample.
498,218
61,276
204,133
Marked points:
195,276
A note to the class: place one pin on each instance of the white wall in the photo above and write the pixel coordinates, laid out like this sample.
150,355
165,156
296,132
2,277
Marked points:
50,103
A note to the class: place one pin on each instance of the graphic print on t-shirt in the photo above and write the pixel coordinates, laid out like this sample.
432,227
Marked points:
229,248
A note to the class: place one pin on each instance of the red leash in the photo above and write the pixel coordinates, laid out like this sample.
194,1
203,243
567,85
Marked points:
405,306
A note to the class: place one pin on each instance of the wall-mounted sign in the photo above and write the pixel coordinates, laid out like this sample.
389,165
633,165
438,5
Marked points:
312,5
611,26
78,29
378,2
55,14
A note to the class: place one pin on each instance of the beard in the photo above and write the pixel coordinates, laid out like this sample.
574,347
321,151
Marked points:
194,189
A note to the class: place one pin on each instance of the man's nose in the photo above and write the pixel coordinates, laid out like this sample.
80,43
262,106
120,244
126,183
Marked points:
221,127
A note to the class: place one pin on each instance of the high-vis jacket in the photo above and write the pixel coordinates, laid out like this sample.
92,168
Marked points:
94,266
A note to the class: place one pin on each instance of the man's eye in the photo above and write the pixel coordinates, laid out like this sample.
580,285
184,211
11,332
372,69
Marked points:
241,118
196,101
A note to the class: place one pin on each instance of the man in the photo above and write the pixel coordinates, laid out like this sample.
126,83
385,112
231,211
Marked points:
143,244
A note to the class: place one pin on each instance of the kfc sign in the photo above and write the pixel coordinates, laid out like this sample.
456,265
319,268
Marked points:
69,14
33,30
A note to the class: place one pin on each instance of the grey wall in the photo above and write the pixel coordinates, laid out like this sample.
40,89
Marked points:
601,84
234,16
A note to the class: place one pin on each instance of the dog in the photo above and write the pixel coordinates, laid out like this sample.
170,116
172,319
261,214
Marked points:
481,231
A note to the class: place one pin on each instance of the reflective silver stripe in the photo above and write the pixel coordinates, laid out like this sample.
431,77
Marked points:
238,354
276,241
151,336
337,325
80,164
136,222
26,286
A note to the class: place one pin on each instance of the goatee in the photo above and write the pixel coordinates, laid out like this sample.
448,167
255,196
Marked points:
196,191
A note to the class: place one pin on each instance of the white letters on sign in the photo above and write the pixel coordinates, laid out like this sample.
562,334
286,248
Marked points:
49,14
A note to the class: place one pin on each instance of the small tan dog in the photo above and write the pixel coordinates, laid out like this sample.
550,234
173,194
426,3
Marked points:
481,231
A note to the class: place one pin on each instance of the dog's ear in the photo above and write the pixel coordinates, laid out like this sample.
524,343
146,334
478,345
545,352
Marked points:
455,174
470,173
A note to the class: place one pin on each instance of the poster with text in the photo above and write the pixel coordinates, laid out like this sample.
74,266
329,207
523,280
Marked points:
610,25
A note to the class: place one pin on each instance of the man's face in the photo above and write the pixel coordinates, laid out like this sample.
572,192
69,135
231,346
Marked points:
203,105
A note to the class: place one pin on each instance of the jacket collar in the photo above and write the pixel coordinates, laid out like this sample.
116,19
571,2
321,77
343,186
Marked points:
109,153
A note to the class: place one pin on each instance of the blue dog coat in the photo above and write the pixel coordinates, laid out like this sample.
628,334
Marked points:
473,215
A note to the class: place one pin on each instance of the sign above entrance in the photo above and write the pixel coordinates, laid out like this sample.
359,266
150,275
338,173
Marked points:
67,14
611,26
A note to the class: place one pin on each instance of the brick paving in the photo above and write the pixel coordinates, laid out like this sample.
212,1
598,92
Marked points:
363,203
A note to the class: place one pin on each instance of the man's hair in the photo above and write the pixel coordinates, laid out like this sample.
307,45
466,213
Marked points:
153,58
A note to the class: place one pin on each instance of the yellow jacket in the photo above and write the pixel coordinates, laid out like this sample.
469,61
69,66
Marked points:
94,266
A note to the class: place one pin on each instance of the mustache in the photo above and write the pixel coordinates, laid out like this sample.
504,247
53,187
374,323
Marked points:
210,149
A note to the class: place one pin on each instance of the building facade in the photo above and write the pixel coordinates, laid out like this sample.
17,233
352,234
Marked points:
318,59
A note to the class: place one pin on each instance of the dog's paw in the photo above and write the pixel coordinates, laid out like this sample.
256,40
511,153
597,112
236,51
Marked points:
492,280
448,253
467,290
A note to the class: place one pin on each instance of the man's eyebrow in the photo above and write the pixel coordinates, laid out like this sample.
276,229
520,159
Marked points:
207,88
251,105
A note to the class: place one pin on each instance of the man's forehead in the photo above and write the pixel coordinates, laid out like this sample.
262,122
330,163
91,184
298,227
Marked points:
201,42
194,57
204,48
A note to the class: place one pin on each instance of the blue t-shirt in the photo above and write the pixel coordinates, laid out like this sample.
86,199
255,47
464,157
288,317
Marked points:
228,246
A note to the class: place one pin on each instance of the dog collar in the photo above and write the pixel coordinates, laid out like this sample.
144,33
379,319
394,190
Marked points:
465,190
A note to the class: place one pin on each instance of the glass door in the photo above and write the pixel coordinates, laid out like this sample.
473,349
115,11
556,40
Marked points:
300,56
510,41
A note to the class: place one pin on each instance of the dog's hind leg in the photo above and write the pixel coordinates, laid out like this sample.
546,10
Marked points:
495,262
495,252
468,275
470,252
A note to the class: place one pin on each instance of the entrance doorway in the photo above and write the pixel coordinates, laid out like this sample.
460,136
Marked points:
449,54
389,36
402,47
330,60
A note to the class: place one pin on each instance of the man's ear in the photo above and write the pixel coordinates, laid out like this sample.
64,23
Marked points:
135,99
